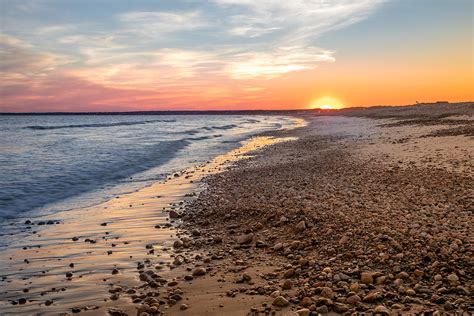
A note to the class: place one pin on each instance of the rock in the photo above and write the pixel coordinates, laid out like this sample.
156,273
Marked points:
278,247
403,275
48,302
438,277
354,287
115,271
380,280
452,278
177,244
303,312
372,297
174,214
327,292
199,272
306,301
183,307
275,294
69,275
366,278
246,277
380,309
22,301
289,273
353,299
149,246
340,308
344,239
301,226
322,309
245,239
287,285
280,301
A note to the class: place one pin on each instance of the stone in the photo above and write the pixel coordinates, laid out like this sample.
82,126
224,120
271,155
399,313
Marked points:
354,287
280,301
322,309
287,285
183,307
306,301
301,226
380,309
303,312
177,244
245,239
353,299
366,278
289,273
403,275
372,297
327,292
275,294
174,214
199,271
278,246
340,308
452,278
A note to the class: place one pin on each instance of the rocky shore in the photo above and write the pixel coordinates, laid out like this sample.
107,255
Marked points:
325,224
366,211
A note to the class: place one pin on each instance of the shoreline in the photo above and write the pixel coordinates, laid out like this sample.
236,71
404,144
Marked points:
73,264
354,216
325,223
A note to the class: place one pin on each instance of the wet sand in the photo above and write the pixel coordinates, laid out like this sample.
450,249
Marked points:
83,260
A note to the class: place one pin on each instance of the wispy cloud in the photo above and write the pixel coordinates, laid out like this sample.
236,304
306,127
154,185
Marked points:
220,46
155,23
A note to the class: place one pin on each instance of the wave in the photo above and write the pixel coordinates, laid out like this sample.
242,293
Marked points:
48,127
85,176
206,128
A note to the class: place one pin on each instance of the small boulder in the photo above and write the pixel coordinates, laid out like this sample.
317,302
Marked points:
280,301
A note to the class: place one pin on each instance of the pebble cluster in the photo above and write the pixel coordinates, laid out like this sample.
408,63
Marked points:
346,235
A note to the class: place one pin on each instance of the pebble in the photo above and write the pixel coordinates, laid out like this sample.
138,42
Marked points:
453,278
199,271
303,312
366,278
280,301
245,239
380,309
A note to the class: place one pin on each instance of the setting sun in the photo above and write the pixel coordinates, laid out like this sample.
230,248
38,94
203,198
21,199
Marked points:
326,103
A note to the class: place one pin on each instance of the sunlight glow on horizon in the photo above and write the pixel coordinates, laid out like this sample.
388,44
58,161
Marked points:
232,54
326,103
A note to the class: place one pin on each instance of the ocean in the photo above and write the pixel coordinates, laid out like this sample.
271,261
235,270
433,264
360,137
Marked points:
52,163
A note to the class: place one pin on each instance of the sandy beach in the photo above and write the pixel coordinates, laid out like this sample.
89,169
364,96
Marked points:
361,210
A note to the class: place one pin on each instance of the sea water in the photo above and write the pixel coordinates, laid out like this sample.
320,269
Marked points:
52,163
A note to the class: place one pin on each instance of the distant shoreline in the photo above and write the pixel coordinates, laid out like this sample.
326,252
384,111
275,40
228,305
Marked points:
350,110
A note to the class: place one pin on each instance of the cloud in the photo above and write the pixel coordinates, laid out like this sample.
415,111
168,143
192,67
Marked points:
278,62
200,52
153,23
19,58
296,20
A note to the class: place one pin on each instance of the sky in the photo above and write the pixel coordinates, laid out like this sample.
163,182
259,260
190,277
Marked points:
115,55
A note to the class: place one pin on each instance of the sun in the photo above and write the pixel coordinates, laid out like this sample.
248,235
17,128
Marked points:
326,107
326,103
